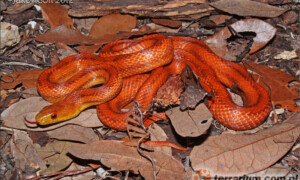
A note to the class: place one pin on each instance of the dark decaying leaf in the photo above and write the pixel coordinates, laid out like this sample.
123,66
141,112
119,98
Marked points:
170,91
239,154
248,8
118,156
193,93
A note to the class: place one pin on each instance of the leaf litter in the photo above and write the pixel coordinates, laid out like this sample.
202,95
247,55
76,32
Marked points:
212,152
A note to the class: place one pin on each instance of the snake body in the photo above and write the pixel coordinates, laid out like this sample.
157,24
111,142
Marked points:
122,68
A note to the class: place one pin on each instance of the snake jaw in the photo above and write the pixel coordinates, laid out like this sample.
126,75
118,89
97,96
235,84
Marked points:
55,113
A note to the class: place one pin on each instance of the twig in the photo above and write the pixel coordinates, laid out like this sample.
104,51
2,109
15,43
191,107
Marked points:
66,173
146,156
19,64
21,44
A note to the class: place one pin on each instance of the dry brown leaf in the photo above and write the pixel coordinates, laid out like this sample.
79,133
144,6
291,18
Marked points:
55,155
112,25
278,83
25,156
169,93
248,8
13,116
219,19
190,123
62,34
239,154
167,22
110,28
27,78
120,157
56,15
18,8
264,33
74,133
158,134
276,170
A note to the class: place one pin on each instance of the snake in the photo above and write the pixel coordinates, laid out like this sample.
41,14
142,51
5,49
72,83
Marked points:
133,70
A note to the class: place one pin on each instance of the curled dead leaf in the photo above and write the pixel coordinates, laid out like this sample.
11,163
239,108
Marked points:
239,154
27,78
264,33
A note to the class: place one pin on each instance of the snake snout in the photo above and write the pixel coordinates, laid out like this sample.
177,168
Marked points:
55,113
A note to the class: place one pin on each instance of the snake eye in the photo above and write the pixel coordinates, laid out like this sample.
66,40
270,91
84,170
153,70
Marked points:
53,116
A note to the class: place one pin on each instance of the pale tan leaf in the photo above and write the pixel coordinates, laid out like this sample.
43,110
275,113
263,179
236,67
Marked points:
239,154
190,123
72,132
13,116
248,8
55,155
158,134
276,170
23,152
120,157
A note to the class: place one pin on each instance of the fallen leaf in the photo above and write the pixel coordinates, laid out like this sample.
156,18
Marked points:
248,8
55,155
278,83
190,123
13,116
27,78
276,170
62,34
264,33
167,22
158,134
56,15
19,8
72,132
23,152
286,55
31,92
120,157
169,93
112,25
160,29
239,154
110,28
219,19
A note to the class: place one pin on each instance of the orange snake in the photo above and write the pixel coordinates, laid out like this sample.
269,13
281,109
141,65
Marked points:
122,67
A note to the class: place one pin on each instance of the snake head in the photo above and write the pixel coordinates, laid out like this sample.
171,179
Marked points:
56,112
